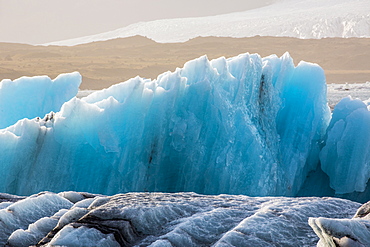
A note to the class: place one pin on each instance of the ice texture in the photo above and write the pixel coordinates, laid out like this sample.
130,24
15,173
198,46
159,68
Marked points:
344,232
30,97
24,212
83,237
243,125
182,219
345,156
35,232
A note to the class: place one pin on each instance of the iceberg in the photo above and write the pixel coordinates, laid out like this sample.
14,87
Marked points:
243,125
344,156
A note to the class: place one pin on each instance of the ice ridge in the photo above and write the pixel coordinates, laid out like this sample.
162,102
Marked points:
30,97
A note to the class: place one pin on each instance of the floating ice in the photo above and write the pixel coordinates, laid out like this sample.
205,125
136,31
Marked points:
244,125
345,156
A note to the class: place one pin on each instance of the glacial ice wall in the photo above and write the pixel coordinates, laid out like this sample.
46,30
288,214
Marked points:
244,125
30,97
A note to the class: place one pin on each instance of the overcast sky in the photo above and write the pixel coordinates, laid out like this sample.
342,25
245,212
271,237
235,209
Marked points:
42,21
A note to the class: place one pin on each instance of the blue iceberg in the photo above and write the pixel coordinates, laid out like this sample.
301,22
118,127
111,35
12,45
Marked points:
345,156
243,125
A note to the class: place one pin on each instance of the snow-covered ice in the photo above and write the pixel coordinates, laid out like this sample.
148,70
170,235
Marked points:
294,18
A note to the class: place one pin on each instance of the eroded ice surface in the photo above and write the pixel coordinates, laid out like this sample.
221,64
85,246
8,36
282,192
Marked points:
244,125
344,232
177,219
27,211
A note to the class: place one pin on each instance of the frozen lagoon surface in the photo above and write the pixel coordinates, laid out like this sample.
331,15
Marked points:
245,125
336,92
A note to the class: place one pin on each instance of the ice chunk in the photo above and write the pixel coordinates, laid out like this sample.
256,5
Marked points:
72,196
22,213
344,232
71,216
84,203
30,97
35,232
345,157
83,236
341,232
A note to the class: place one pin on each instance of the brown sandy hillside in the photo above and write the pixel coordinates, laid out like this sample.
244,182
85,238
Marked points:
108,62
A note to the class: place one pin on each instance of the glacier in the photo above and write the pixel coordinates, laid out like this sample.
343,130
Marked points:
243,125
304,19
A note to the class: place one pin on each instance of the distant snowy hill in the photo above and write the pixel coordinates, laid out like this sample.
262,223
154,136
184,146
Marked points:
304,19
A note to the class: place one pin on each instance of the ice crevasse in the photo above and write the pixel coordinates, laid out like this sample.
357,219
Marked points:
243,125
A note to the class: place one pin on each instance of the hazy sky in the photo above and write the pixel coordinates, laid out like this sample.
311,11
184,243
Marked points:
41,21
